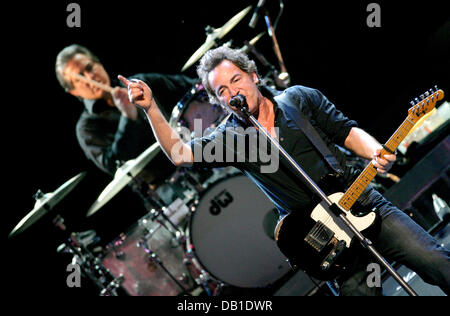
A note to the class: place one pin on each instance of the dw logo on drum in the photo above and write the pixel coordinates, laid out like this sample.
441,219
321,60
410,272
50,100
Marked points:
223,199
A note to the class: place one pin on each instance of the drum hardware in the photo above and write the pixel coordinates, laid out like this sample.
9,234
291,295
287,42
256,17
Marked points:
157,211
178,236
117,242
111,288
193,205
58,222
188,179
202,278
246,48
90,265
153,258
271,77
191,178
282,79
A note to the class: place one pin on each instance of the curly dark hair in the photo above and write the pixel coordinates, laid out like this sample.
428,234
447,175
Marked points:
64,56
214,57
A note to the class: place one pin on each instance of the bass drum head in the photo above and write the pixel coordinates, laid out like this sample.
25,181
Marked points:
231,234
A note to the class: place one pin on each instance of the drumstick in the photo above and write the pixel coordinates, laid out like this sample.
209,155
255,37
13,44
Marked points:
93,82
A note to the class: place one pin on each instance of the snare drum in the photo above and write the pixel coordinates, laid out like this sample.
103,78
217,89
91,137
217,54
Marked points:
230,234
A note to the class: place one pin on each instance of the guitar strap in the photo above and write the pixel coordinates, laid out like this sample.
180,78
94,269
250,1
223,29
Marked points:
306,127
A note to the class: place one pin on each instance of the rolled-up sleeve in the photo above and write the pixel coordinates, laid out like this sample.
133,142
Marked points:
327,117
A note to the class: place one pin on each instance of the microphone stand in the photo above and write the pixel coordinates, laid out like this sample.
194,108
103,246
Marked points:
366,243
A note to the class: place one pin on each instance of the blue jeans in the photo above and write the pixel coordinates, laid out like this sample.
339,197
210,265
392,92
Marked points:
399,239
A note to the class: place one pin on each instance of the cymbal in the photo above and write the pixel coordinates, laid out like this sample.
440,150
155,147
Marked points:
46,203
216,34
123,176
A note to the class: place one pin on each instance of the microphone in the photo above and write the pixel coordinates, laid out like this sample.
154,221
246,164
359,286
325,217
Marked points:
255,16
238,101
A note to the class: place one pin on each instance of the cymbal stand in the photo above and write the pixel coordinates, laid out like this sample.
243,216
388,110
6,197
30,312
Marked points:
282,79
272,69
366,243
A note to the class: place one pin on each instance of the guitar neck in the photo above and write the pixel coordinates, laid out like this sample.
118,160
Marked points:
367,175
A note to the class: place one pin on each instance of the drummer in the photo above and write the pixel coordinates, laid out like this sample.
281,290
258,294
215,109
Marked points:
110,128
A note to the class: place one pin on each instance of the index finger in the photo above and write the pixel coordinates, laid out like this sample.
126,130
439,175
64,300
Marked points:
124,80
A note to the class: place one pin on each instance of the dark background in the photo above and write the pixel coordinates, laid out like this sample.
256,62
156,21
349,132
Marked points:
371,74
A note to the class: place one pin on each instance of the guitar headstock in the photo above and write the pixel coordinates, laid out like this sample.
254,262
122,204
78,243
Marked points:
426,103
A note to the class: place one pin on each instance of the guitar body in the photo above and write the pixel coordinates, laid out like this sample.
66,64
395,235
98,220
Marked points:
292,232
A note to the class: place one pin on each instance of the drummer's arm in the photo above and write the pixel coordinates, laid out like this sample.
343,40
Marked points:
171,143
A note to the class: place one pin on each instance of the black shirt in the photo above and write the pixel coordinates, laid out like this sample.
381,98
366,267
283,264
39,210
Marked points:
286,189
106,136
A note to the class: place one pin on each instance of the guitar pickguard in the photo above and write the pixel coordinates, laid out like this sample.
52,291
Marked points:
341,231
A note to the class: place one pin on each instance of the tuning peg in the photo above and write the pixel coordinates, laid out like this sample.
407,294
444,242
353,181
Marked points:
422,96
39,194
209,29
416,100
412,103
427,93
436,88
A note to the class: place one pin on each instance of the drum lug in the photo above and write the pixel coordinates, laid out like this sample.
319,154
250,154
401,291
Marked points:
151,255
184,278
187,261
110,289
188,257
203,278
120,255
180,237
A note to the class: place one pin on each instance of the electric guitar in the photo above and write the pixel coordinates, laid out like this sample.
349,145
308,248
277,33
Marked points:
321,244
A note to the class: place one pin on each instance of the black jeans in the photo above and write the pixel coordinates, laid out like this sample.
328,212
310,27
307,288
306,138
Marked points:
399,239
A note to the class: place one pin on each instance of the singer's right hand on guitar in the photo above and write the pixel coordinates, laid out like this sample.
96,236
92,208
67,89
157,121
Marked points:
139,93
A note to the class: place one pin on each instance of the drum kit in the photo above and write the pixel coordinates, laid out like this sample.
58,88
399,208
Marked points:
203,230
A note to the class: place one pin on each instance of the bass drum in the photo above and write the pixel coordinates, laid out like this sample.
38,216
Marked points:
230,234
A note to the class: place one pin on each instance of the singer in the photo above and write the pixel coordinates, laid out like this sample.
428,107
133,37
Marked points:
227,73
